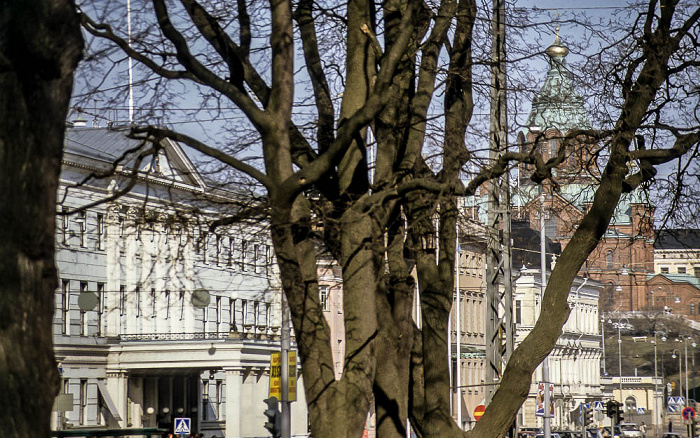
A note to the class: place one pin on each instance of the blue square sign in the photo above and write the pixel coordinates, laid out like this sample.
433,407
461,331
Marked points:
183,426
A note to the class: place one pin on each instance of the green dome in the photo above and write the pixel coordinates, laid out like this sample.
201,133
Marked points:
557,105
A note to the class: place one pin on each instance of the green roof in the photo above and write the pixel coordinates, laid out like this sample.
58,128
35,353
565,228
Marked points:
679,278
557,105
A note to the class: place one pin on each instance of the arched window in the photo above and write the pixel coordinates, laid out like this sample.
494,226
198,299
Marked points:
631,404
609,290
609,259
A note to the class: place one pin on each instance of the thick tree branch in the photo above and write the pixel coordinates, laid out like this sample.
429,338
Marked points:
322,94
153,134
105,31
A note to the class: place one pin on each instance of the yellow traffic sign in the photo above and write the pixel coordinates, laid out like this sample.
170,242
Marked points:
276,376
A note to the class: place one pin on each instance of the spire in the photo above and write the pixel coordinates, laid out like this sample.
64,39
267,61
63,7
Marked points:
557,105
557,50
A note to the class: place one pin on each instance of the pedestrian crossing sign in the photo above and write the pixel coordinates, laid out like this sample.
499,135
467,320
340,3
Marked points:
183,426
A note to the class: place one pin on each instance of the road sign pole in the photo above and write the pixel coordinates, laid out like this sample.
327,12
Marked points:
286,404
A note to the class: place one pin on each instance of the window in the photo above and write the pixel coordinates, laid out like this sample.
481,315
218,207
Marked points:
609,259
219,400
218,248
205,246
182,305
244,309
323,293
137,292
664,270
696,271
83,400
153,303
65,307
231,246
219,309
268,257
83,313
82,223
681,270
167,304
100,306
255,258
205,318
232,314
551,226
692,308
518,312
100,231
64,226
244,248
122,300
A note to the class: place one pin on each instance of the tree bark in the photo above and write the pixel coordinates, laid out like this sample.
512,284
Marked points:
40,45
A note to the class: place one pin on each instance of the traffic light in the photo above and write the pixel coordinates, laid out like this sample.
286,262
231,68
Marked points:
588,417
620,414
274,417
611,409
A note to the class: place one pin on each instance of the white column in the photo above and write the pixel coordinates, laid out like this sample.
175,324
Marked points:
176,277
188,259
234,381
160,275
131,273
112,250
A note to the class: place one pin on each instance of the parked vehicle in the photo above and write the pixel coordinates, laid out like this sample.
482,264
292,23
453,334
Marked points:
568,433
528,432
630,430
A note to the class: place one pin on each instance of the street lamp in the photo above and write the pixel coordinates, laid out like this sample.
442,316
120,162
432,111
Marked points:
619,346
680,370
685,348
656,378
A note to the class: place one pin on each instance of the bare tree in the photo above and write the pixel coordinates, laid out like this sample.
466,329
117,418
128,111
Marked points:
40,45
395,60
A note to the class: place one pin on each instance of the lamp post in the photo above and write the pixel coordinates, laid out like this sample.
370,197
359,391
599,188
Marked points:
656,384
619,347
685,348
680,370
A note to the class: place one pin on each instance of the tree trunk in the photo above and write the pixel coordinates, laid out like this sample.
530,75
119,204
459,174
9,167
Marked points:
40,45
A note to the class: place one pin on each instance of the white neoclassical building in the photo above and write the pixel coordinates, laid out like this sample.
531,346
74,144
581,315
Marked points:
158,316
574,363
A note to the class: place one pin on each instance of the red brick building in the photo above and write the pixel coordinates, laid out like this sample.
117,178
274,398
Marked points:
625,256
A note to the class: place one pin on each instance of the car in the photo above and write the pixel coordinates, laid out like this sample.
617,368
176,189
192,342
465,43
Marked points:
552,435
671,435
630,430
568,433
526,434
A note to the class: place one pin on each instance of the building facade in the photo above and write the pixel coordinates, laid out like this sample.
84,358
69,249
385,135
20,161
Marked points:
574,363
158,316
468,322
